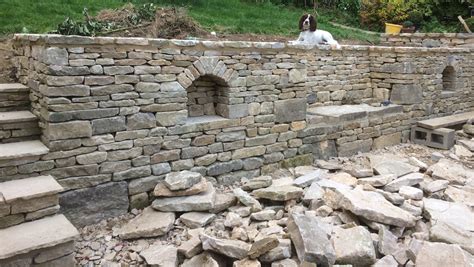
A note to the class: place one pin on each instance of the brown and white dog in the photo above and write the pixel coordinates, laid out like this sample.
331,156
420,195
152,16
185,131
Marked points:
311,35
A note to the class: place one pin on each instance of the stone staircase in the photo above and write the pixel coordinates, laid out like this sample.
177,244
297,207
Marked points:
31,231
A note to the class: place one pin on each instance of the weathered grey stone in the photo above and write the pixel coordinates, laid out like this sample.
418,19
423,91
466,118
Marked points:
290,110
54,56
387,261
409,192
141,121
353,246
192,246
282,251
201,202
81,206
435,186
223,201
182,180
160,255
231,248
377,181
264,215
54,252
132,173
406,180
352,148
382,166
257,182
458,195
246,263
279,193
297,75
108,125
161,168
204,260
171,118
196,219
314,192
91,158
441,254
373,206
307,179
455,214
262,246
406,94
68,130
451,171
70,90
224,167
149,223
161,190
247,200
447,233
387,244
310,240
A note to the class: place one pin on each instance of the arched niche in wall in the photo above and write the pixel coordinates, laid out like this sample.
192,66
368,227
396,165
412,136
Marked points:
450,73
207,85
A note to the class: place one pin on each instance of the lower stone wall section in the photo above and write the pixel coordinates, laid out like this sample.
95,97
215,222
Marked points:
428,39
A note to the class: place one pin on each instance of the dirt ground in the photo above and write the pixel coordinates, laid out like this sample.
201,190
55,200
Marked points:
6,66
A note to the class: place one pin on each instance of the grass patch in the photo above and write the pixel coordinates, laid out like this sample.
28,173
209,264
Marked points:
224,16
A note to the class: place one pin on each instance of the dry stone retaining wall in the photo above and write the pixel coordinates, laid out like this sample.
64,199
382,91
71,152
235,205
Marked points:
428,39
119,113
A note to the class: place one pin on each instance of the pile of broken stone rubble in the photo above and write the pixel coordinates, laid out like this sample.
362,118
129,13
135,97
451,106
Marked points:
383,210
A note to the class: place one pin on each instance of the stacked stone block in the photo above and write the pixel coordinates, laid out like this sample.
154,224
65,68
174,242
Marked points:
428,39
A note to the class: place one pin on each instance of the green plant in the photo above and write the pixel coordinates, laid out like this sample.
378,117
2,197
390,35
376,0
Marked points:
349,6
407,24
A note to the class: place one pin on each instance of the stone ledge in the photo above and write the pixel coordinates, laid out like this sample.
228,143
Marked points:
62,40
22,149
29,188
16,116
43,233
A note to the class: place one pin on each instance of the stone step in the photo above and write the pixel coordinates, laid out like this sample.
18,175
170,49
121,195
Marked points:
14,96
22,149
447,121
13,88
40,234
29,188
16,126
16,116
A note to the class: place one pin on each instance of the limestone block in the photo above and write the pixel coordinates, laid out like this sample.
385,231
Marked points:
68,130
290,110
406,94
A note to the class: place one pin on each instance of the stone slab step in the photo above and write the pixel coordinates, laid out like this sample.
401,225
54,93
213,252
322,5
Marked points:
22,149
13,88
29,188
353,112
446,121
30,236
16,116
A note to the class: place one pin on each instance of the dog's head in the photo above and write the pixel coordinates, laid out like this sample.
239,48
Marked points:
307,22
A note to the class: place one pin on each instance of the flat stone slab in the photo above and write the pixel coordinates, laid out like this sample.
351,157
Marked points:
160,255
13,88
29,188
182,180
374,207
161,190
310,240
22,149
441,254
149,223
279,193
446,121
16,116
452,213
42,233
231,248
385,166
353,112
196,219
451,171
201,202
353,246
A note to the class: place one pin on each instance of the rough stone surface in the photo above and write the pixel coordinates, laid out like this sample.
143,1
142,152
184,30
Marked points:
279,193
196,219
81,206
201,202
149,223
182,180
353,246
160,255
310,240
161,190
231,248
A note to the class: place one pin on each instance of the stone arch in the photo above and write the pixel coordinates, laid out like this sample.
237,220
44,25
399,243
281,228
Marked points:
449,79
207,85
450,72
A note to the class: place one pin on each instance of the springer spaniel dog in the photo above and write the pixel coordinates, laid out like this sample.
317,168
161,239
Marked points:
310,35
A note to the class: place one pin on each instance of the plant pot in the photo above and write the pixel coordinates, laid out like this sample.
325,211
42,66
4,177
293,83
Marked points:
392,28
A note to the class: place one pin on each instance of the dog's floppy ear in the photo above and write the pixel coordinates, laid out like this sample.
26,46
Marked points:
312,24
302,19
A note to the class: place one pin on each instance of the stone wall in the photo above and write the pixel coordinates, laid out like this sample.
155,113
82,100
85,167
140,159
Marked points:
428,39
123,112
